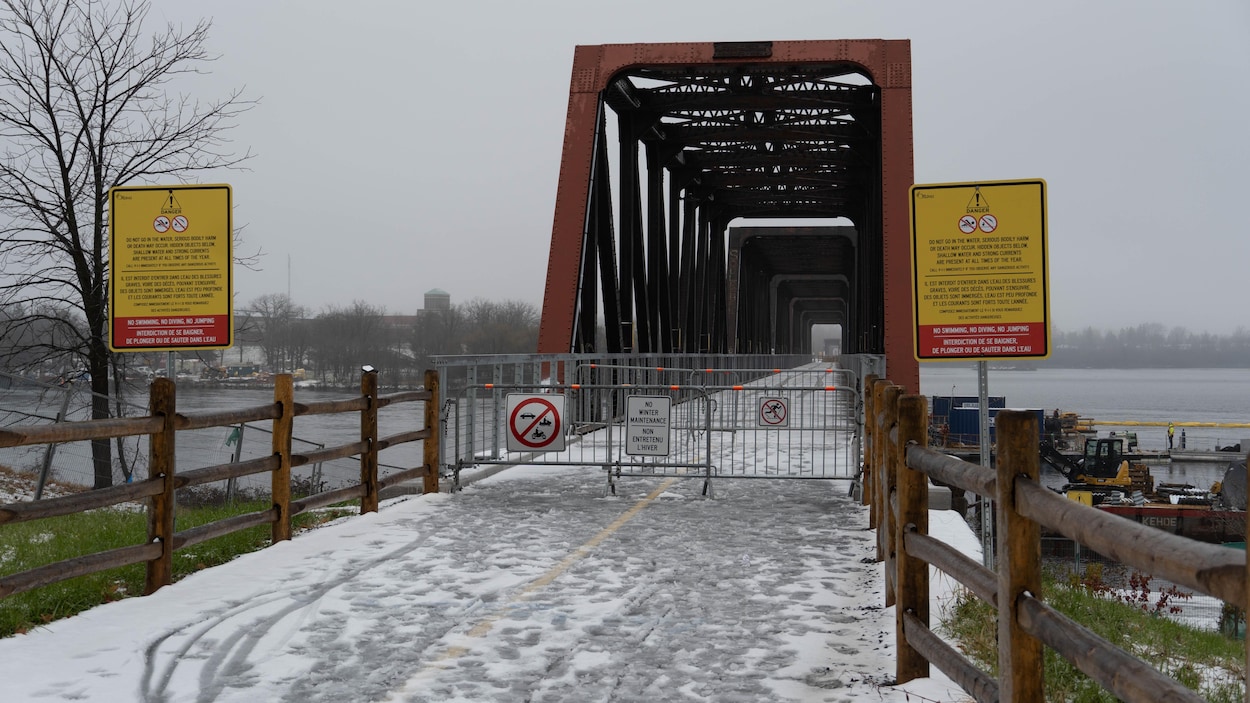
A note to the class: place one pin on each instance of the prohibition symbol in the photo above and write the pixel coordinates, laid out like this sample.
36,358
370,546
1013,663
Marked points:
180,224
774,413
967,224
161,224
988,223
534,423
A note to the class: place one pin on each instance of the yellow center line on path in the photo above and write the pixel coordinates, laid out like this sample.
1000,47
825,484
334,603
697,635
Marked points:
480,629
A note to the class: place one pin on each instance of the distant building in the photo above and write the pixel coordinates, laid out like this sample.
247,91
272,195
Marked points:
437,299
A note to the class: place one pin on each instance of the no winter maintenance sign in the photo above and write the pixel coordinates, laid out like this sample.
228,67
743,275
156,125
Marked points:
647,425
979,270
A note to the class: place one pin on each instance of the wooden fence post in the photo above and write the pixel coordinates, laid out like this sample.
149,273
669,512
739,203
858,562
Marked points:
870,427
887,527
881,443
369,435
912,579
1019,559
878,453
161,462
433,423
280,481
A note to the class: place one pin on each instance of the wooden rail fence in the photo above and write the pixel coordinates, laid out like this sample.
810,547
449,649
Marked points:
157,492
897,468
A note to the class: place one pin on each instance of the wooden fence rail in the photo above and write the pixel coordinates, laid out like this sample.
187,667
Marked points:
897,468
158,491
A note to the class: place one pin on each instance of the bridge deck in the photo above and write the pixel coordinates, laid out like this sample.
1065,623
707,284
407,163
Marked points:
531,585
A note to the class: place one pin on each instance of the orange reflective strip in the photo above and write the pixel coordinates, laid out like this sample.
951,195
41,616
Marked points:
674,388
739,388
489,385
831,388
576,386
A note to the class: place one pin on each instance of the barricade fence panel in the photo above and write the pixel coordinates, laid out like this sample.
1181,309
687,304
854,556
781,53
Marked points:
726,416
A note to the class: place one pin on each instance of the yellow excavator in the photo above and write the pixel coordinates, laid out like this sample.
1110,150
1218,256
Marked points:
1102,466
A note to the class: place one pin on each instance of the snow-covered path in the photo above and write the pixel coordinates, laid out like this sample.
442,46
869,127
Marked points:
528,586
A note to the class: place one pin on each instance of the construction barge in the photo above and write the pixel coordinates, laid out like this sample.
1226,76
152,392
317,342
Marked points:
1112,474
1107,478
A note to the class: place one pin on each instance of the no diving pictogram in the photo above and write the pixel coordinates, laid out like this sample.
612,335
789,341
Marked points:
535,423
163,224
774,412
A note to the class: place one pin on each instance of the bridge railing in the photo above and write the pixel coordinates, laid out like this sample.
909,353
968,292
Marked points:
898,465
157,493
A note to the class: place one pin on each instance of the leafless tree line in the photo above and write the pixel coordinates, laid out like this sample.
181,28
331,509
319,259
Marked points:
334,343
1149,345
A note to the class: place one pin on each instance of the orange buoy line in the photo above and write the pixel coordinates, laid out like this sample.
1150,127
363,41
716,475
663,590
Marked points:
1155,423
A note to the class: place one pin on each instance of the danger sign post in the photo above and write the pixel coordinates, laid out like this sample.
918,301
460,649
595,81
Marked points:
979,270
170,264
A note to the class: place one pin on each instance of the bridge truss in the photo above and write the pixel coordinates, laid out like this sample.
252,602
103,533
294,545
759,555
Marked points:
674,153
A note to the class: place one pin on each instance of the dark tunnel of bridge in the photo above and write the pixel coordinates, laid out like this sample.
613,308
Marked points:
783,281
704,191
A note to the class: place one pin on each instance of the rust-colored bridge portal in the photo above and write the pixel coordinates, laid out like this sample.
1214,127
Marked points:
711,145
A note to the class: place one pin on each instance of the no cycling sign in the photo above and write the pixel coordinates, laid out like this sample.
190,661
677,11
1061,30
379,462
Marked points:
535,423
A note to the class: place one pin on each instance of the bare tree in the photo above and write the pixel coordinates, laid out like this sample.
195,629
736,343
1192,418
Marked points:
436,332
510,326
345,338
85,106
282,335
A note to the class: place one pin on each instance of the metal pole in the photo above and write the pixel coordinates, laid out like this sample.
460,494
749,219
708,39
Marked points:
51,450
987,505
232,482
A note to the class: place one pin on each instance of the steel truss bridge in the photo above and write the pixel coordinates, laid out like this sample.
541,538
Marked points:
684,170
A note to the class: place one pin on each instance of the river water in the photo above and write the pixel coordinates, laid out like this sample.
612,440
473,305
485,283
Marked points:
1157,395
1161,395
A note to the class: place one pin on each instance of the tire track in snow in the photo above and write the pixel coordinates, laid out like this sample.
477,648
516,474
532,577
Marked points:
230,655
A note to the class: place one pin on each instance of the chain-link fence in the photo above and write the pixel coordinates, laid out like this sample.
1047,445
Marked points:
1068,562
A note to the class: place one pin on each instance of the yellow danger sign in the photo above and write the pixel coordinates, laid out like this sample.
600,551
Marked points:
170,266
979,270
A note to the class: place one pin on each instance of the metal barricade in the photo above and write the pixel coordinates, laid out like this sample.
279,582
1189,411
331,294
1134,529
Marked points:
754,431
787,432
463,382
592,432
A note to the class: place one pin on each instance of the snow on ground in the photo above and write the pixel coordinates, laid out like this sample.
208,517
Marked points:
16,487
531,585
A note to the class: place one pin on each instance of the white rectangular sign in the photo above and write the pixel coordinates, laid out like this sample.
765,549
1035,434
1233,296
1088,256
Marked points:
647,425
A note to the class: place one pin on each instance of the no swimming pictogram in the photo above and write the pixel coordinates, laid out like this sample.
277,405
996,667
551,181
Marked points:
535,423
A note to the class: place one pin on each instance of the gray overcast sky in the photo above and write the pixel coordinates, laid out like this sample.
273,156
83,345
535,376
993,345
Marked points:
403,146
